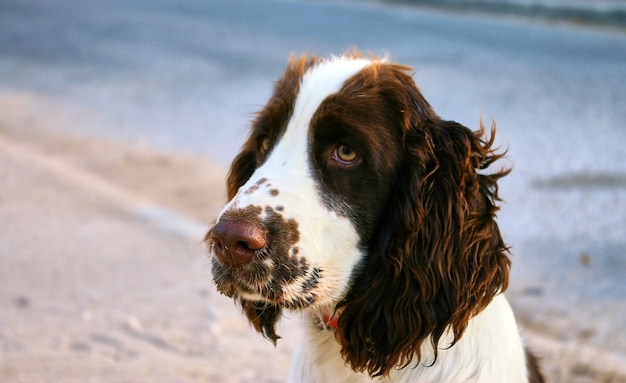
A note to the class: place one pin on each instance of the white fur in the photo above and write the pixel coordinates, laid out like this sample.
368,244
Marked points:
490,351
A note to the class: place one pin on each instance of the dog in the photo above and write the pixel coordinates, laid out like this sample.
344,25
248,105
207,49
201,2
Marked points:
354,203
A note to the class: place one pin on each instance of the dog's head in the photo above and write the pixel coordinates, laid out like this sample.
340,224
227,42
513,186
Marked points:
351,194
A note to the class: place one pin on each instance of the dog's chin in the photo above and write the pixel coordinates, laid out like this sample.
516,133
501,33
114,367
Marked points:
295,304
256,282
264,294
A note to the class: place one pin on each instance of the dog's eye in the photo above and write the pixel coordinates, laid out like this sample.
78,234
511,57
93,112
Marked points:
264,144
345,155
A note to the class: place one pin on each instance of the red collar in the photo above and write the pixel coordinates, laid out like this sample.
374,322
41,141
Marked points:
330,320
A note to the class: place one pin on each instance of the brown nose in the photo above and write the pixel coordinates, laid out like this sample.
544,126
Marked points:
235,242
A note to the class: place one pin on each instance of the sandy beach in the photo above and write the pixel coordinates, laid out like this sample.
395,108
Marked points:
104,275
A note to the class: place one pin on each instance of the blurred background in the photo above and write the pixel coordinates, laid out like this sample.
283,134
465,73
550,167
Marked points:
118,121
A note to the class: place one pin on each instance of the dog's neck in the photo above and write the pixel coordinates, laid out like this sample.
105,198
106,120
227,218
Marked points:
325,320
471,359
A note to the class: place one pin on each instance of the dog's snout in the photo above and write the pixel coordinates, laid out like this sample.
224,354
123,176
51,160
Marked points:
235,242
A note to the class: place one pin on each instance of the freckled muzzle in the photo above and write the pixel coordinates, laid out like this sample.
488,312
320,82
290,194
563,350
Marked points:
256,257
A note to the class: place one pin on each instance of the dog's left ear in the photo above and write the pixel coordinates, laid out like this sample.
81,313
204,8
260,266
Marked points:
438,258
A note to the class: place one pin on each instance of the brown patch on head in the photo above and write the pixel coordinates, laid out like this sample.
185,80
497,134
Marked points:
370,115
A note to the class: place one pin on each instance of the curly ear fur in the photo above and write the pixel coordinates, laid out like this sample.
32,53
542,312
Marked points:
438,258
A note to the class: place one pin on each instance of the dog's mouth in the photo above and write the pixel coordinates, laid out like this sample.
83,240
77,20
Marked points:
257,256
288,282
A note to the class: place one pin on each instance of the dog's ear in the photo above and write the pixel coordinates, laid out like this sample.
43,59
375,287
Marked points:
263,317
438,258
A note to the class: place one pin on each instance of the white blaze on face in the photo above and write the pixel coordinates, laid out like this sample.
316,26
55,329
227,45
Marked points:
327,241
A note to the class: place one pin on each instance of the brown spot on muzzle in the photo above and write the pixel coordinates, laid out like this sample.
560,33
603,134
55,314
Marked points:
255,186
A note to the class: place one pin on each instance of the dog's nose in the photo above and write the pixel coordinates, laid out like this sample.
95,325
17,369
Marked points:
235,242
